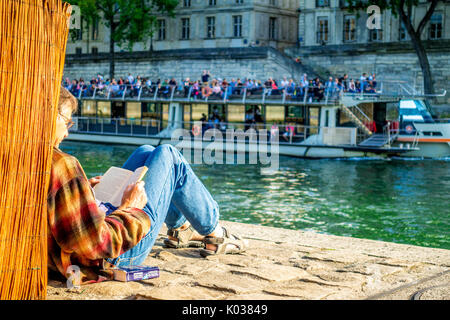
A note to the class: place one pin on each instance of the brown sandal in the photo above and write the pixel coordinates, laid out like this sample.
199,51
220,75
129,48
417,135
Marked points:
183,239
228,244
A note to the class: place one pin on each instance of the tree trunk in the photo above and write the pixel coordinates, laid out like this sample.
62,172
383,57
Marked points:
416,40
424,64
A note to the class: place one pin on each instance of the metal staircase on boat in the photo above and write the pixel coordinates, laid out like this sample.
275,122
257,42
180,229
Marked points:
381,140
359,121
377,140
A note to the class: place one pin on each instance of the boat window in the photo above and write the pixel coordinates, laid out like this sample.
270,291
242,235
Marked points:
432,133
295,114
420,105
274,113
165,112
151,112
198,110
134,112
104,109
187,114
217,111
314,120
391,112
89,108
236,113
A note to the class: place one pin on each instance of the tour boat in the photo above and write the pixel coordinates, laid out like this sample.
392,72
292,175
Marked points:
340,125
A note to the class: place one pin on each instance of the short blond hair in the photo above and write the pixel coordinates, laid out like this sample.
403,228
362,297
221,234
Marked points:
64,97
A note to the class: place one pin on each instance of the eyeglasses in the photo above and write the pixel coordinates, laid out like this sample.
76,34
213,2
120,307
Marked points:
69,122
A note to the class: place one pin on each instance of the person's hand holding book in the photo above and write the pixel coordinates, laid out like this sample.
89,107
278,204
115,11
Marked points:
94,181
134,196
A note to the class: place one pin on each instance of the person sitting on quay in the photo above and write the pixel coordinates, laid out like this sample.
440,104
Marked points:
206,90
318,90
87,233
115,89
216,90
290,88
196,91
332,88
274,132
352,86
289,132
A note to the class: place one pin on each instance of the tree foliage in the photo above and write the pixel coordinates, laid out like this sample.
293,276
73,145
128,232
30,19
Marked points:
404,10
130,22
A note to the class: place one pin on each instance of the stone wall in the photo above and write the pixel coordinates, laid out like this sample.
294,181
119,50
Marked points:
393,61
255,63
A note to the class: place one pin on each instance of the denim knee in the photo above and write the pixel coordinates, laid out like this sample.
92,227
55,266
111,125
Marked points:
167,147
146,147
171,151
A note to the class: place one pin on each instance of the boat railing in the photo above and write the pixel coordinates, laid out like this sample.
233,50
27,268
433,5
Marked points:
390,134
328,94
416,139
200,93
289,133
442,120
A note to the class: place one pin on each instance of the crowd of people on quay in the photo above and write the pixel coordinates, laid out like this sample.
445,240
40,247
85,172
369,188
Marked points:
207,87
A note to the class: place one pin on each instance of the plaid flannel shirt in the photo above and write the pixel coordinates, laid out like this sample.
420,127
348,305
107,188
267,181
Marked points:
79,233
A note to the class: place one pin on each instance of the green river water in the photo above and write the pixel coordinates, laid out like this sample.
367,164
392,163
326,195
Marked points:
402,201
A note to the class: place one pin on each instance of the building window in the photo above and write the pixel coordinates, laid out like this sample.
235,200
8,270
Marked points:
94,50
349,28
78,51
322,3
212,2
239,1
186,3
161,29
402,32
185,28
95,30
80,31
273,2
376,35
322,30
272,28
237,26
343,4
436,26
210,27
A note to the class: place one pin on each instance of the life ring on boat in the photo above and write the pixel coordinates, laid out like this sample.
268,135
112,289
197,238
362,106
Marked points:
196,130
409,128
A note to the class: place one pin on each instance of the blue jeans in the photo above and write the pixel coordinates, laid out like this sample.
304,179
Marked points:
174,193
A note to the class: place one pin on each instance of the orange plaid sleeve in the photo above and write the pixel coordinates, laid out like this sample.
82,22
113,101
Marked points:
77,227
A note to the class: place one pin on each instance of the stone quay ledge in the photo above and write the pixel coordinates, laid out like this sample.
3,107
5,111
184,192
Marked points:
283,264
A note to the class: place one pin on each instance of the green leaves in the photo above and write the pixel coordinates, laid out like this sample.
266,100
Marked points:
129,21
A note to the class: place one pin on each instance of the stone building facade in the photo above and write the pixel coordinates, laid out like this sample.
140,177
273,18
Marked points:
209,24
328,22
223,36
249,62
335,41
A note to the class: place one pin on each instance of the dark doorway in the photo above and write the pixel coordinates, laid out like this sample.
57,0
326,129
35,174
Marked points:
379,115
118,109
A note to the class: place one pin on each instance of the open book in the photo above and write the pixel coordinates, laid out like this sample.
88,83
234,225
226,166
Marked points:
114,182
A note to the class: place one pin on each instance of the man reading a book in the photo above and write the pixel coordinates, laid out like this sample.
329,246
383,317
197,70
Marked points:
82,232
